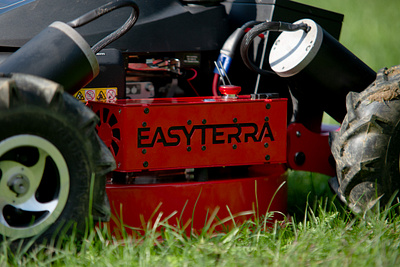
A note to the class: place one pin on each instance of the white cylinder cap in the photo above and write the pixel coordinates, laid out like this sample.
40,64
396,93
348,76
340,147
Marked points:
293,51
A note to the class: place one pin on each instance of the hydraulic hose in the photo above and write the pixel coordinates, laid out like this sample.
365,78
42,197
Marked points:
228,50
260,28
102,10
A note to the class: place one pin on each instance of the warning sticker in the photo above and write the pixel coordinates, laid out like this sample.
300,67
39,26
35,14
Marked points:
111,94
97,94
90,95
80,96
101,96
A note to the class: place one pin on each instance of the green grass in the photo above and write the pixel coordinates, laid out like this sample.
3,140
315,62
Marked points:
328,236
370,29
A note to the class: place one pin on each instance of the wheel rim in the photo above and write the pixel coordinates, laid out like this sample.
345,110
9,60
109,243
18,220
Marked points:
34,185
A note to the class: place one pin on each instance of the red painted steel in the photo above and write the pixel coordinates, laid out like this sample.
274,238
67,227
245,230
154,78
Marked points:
198,200
315,148
179,133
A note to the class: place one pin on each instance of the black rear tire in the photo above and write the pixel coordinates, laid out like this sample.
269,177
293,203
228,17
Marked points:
367,146
49,151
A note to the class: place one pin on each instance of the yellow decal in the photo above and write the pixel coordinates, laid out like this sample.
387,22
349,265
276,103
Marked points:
96,94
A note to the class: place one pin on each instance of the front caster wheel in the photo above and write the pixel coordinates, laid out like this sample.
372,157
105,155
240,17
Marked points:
49,152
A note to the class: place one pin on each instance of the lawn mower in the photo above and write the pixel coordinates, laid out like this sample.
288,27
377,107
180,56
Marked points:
195,116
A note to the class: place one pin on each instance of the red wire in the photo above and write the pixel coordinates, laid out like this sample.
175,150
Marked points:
215,84
189,79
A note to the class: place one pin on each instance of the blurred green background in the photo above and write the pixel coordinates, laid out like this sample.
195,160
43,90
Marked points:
371,30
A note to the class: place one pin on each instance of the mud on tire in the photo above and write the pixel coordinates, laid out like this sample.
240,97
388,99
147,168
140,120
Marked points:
367,146
48,153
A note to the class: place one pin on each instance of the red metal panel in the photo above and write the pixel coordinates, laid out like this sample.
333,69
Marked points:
197,200
310,151
157,134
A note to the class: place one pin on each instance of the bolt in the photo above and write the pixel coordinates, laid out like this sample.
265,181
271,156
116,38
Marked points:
266,119
189,122
299,158
203,148
19,184
267,157
145,164
268,106
266,145
204,121
234,146
144,151
146,111
189,149
144,124
235,120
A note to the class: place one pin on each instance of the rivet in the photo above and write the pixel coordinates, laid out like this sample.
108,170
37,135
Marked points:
268,106
144,124
189,122
144,151
266,119
203,148
204,121
145,164
189,149
235,120
234,146
266,145
267,157
146,111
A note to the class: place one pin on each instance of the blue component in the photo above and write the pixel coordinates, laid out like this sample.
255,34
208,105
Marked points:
226,63
7,5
